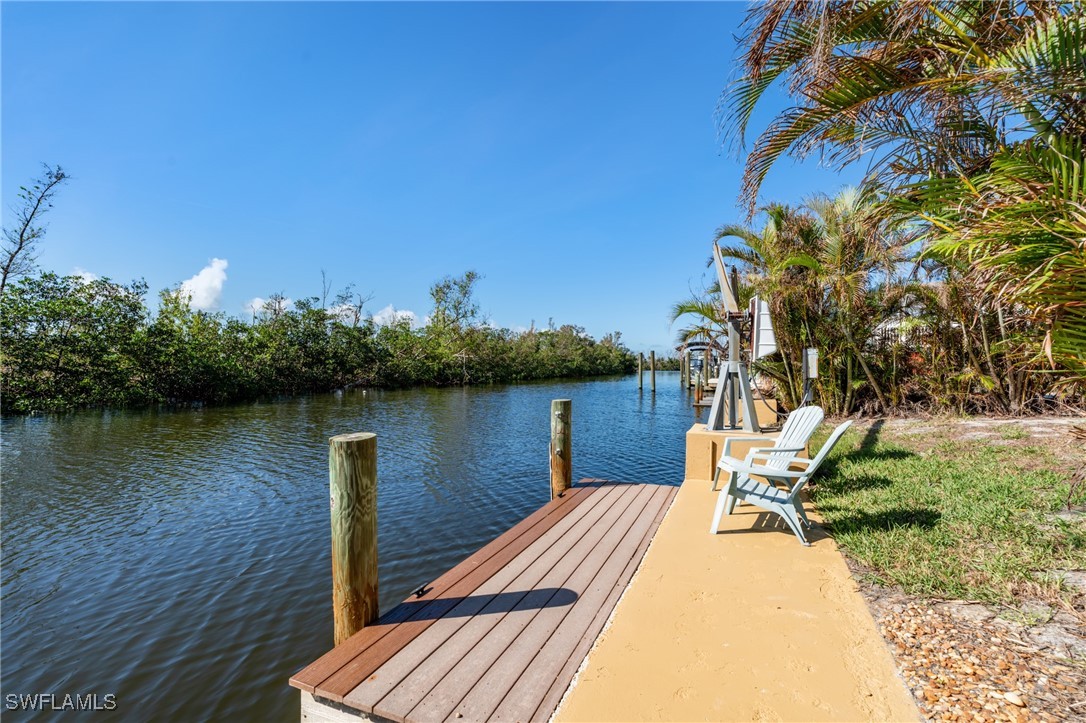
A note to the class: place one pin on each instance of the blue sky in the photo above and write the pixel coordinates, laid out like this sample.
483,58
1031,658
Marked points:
565,151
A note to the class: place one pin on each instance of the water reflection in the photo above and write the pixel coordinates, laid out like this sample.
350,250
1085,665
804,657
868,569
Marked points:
180,559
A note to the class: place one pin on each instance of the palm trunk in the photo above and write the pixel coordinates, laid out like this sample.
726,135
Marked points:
867,372
848,385
1009,394
975,363
1013,385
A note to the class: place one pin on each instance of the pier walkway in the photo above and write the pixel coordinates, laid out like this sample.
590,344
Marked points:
744,625
501,635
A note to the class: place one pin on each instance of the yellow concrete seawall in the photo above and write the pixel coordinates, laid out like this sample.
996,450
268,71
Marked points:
743,625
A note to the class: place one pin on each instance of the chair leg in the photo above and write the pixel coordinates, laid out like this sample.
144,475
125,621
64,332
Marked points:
721,500
732,500
716,478
733,479
802,513
789,515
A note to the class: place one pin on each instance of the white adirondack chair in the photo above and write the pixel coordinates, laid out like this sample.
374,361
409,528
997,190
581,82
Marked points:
792,440
785,502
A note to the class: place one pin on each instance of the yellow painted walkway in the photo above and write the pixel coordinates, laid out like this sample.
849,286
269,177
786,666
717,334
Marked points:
743,625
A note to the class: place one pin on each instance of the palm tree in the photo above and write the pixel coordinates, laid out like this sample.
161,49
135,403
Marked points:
974,113
923,88
708,320
1020,226
830,271
773,259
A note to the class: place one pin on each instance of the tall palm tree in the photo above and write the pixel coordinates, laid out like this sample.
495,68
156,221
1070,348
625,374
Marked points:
922,87
973,112
773,260
707,320
830,273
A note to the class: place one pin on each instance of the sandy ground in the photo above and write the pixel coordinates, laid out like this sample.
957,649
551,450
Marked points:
746,624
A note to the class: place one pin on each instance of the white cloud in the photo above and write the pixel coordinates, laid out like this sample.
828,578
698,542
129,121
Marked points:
389,315
84,274
343,312
205,288
256,305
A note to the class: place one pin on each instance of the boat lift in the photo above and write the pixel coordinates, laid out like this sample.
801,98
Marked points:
734,386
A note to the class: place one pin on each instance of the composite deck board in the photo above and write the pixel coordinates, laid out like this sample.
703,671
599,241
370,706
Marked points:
451,586
406,660
520,698
501,635
452,606
397,686
464,673
595,577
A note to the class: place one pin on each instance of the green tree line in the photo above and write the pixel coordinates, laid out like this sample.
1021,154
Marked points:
68,342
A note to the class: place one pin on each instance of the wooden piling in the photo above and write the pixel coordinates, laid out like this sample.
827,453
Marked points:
561,446
652,370
352,476
640,373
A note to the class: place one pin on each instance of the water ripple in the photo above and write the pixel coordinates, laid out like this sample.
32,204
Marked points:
181,559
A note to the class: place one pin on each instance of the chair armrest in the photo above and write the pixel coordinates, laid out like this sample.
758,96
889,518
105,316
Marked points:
744,468
765,451
765,460
727,451
729,462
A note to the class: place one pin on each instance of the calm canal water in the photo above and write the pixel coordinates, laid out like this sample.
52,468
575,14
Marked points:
181,560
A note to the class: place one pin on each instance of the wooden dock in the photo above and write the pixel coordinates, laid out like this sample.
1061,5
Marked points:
501,635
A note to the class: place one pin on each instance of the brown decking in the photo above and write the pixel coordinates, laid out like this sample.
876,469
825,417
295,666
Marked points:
501,635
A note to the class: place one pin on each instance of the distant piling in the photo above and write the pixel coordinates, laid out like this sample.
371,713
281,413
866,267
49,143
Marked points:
352,476
561,446
640,372
652,370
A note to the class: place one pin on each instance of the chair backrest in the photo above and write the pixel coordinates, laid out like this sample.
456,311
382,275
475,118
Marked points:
820,457
795,433
799,426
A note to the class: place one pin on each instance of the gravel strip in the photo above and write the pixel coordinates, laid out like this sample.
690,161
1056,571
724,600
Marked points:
966,670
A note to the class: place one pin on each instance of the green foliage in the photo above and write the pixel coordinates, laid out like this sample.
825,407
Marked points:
69,343
972,118
1021,226
828,272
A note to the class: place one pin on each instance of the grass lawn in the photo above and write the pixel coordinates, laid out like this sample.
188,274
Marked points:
944,516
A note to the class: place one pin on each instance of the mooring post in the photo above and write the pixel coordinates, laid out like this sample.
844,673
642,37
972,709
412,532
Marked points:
640,373
352,477
561,446
652,369
698,390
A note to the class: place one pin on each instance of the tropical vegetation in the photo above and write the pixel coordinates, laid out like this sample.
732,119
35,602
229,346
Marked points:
69,342
955,275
